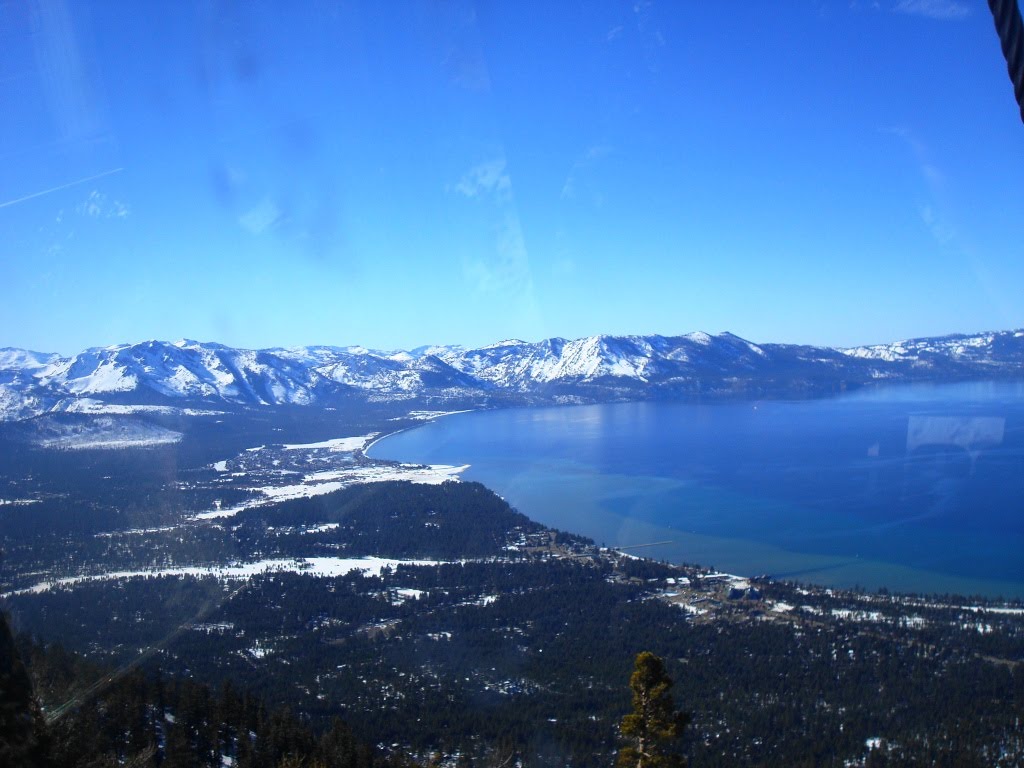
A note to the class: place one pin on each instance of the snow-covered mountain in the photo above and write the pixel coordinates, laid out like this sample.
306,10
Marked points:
523,366
183,370
983,349
594,368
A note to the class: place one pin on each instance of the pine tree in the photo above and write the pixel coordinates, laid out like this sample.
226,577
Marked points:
22,732
653,729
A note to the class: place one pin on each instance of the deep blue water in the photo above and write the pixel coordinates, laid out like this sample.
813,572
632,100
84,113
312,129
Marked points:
915,488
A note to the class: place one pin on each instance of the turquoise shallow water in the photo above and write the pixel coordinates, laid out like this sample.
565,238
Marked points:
915,488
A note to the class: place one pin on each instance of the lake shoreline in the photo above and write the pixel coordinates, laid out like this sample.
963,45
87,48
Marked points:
526,483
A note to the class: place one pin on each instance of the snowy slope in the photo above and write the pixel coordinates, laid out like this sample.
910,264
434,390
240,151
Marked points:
23,359
185,369
396,373
102,432
635,359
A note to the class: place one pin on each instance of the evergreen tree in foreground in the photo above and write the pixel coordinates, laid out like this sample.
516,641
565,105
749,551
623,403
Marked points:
22,734
654,727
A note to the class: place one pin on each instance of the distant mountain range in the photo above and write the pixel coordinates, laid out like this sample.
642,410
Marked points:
190,374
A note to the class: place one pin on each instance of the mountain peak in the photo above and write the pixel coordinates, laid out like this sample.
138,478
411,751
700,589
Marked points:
505,343
699,337
14,358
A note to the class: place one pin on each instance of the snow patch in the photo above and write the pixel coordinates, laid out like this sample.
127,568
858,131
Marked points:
321,528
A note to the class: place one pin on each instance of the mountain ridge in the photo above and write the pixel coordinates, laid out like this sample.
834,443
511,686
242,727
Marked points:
589,369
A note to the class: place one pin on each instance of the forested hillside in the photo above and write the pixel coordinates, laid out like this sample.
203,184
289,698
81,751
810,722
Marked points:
522,643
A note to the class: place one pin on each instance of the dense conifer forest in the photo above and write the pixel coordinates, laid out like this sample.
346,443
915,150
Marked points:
496,632
147,719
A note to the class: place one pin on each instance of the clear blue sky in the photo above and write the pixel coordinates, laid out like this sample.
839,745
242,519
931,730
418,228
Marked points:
396,174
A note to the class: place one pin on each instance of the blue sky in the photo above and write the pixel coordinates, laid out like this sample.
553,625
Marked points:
397,174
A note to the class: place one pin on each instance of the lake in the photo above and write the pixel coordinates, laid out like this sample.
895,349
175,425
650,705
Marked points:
917,488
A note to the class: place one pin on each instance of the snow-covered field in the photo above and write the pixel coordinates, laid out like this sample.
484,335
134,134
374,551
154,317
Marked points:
433,474
320,483
310,566
347,444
